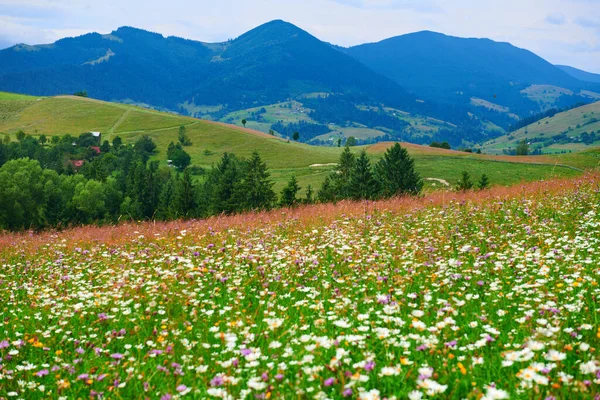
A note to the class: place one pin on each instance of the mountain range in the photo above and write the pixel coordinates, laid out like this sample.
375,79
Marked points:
465,82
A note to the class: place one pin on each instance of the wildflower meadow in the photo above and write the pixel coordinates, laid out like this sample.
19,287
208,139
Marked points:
453,296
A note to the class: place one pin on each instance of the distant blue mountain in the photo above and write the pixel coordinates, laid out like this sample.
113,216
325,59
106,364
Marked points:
268,64
580,74
423,73
452,69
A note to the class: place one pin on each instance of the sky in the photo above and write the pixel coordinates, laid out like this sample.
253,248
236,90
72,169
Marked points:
561,31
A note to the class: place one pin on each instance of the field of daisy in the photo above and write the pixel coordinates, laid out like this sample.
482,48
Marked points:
491,295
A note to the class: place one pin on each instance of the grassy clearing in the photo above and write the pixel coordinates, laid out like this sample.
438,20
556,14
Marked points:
452,296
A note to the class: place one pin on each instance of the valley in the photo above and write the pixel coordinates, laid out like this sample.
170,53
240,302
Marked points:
57,116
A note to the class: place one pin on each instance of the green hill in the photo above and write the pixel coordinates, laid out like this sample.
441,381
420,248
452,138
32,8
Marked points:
75,115
573,130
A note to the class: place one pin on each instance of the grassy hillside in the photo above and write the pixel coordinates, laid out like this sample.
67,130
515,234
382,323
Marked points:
75,115
566,128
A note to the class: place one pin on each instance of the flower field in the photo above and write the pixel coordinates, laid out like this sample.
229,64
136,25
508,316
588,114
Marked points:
451,296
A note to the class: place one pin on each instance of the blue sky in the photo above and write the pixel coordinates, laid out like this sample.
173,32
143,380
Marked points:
562,31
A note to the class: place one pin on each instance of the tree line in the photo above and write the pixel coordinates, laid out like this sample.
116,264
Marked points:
41,188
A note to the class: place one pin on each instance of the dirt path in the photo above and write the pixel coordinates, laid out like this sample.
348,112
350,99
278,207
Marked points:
119,121
442,181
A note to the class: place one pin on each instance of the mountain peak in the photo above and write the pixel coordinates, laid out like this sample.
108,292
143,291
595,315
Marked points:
130,31
276,29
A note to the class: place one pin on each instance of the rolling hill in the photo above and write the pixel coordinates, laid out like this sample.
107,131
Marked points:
467,71
75,115
573,130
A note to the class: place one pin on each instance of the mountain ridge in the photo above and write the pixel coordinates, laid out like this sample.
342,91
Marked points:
423,73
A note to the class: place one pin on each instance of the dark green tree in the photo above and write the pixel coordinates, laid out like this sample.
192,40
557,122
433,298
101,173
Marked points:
326,193
464,183
363,184
396,173
255,190
184,199
522,148
296,136
42,140
183,138
145,147
340,177
166,209
179,157
351,141
244,122
288,194
483,183
117,143
105,147
220,187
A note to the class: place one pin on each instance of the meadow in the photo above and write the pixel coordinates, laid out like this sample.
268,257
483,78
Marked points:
310,164
489,295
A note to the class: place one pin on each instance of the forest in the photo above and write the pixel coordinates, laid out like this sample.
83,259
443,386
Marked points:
72,181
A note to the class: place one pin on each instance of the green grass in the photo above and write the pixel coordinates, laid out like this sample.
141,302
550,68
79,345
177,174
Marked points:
59,116
17,97
73,115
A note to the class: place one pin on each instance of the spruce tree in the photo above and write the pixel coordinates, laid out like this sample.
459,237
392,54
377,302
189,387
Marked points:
340,178
288,194
326,193
396,173
185,197
484,182
464,182
255,190
221,185
166,210
363,184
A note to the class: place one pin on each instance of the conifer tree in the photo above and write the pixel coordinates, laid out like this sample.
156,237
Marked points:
340,178
396,173
363,184
255,190
484,182
326,193
165,210
464,182
221,185
184,200
288,194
